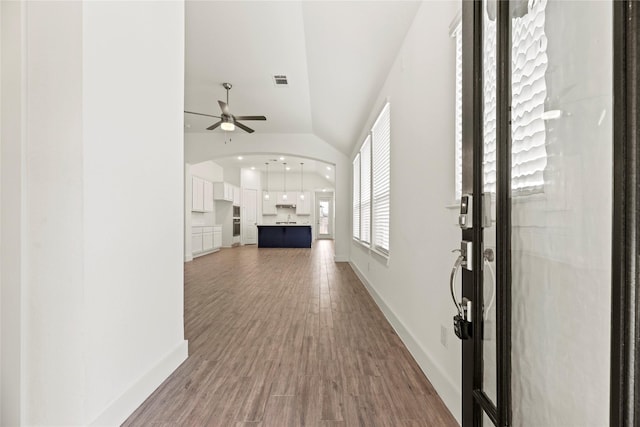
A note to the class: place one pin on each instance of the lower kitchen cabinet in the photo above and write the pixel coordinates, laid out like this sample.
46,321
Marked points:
196,242
205,239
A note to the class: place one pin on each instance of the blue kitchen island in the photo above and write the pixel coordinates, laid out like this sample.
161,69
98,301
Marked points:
284,236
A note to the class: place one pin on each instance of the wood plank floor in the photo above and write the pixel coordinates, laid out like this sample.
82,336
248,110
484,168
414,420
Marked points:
287,337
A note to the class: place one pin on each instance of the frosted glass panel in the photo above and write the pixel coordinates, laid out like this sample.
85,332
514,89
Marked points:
561,233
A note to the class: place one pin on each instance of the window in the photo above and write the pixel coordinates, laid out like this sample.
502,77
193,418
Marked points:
356,197
381,133
528,134
365,191
371,186
457,34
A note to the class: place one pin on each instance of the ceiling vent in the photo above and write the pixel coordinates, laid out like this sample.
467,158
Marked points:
280,80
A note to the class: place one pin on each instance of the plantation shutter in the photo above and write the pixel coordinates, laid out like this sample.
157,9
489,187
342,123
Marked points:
529,65
381,179
529,91
356,197
365,191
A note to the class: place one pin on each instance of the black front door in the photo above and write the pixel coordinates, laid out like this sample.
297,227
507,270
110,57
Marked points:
537,212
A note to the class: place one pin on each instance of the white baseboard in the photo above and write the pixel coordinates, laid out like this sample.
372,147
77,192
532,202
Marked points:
188,258
448,390
212,251
123,406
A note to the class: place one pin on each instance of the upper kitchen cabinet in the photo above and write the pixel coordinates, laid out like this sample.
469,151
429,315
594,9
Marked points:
303,203
201,195
290,199
223,191
208,196
269,204
197,194
236,196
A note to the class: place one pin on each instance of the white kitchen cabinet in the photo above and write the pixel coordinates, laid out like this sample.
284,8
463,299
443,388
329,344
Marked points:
207,239
201,195
223,191
269,205
303,206
236,196
208,196
196,241
197,194
290,198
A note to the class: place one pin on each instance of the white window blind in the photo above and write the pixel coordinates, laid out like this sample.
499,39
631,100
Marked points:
458,36
356,197
365,191
381,179
529,63
528,135
489,104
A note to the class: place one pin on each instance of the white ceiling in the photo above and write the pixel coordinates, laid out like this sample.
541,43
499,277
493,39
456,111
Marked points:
276,165
336,55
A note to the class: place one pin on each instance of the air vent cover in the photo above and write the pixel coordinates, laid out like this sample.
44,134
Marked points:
280,80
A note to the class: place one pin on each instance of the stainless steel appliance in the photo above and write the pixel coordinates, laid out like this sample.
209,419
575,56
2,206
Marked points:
236,227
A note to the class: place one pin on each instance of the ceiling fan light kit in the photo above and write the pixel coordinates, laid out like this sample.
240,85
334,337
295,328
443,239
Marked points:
228,121
228,126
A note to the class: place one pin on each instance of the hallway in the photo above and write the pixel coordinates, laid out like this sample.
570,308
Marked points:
283,337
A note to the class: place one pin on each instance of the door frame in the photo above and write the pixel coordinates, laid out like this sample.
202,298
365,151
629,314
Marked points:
474,400
625,315
330,197
624,399
243,216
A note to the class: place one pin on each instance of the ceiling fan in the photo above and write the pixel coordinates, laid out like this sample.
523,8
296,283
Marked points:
228,121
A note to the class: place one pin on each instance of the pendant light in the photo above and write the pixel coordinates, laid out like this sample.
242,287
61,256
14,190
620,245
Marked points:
266,196
284,167
301,181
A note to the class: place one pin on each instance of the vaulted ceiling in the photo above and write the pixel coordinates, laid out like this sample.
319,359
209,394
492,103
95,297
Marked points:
335,54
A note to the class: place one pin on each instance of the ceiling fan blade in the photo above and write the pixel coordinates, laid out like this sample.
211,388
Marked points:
250,117
244,128
224,107
215,125
200,114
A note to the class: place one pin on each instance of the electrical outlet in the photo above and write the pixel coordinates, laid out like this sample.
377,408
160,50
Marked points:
444,333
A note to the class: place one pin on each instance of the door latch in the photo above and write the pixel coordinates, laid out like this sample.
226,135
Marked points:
462,324
462,321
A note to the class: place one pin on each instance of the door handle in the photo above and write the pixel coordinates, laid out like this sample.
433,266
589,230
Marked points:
452,279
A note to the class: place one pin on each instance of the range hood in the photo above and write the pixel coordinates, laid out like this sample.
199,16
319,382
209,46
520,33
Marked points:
286,205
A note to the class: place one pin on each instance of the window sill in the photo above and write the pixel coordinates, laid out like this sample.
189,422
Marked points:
380,256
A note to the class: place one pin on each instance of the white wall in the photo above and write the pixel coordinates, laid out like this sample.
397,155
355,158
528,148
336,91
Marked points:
312,181
12,205
133,56
55,322
89,256
250,179
208,170
413,288
206,146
